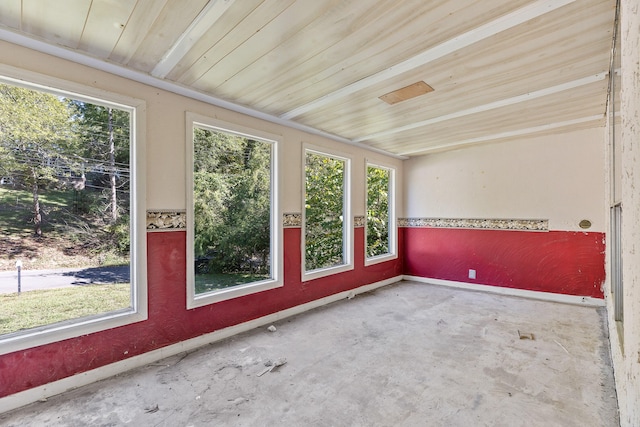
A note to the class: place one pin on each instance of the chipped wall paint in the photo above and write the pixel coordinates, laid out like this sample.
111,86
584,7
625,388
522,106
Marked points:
625,337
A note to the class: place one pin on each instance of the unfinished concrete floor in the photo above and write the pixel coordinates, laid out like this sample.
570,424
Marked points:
408,354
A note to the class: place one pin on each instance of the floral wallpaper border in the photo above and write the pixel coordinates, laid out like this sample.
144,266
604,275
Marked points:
177,220
166,220
483,224
290,220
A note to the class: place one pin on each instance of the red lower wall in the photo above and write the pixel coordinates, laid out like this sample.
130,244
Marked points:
169,322
562,262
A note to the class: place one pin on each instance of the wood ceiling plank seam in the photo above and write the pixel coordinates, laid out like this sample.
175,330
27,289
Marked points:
207,17
484,31
297,52
11,14
560,107
142,18
233,17
519,133
584,100
541,133
245,88
60,22
167,28
351,115
381,46
514,121
253,23
342,126
11,37
510,123
615,49
537,53
260,44
447,99
310,61
362,101
84,25
576,103
466,50
101,35
524,69
491,106
339,124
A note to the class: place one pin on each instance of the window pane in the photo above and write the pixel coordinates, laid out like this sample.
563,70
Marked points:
378,187
232,210
324,211
64,208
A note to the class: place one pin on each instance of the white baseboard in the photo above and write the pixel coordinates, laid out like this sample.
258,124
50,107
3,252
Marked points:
544,296
51,389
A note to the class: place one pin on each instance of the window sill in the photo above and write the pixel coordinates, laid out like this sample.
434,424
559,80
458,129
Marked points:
379,259
324,272
43,335
226,294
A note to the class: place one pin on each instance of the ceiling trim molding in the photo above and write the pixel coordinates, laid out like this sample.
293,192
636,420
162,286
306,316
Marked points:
509,134
127,73
207,17
492,105
513,19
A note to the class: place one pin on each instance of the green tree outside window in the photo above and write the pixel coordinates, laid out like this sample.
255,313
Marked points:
378,189
324,211
232,209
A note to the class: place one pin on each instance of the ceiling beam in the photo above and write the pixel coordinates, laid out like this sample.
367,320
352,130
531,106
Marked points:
513,19
509,134
491,106
208,16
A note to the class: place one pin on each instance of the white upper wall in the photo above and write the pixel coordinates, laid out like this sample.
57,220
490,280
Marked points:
557,177
166,128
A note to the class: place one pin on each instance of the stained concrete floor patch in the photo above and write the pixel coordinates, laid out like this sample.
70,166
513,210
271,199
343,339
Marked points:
409,354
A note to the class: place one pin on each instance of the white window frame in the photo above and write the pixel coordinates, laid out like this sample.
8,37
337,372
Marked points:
198,300
347,244
138,311
393,229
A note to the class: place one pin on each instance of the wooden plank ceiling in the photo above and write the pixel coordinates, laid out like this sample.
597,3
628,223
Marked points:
500,69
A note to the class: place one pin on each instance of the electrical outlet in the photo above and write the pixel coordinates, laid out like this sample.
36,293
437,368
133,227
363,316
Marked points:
472,274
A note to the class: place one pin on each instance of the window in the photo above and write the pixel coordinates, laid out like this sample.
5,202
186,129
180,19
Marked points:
327,231
234,228
615,178
71,204
380,239
616,262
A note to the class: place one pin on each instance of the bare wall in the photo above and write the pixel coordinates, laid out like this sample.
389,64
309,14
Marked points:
558,178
